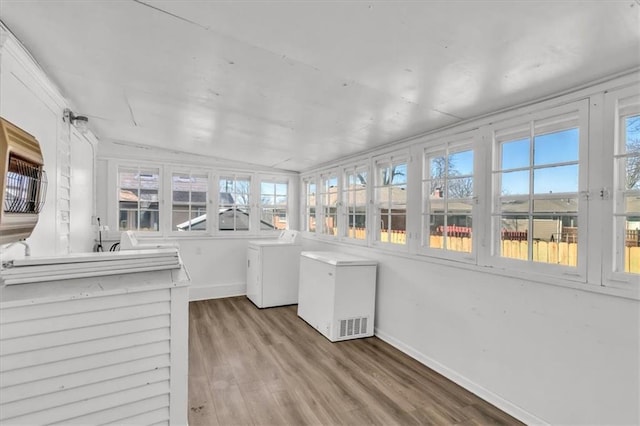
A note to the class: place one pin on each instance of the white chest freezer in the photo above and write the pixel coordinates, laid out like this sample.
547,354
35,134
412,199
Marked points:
337,294
272,270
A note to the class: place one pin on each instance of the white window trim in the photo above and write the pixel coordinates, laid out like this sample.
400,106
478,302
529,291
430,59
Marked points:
397,157
320,213
304,190
612,257
236,175
570,273
343,222
446,145
113,199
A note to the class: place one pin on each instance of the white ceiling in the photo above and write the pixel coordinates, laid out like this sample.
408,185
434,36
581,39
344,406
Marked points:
295,84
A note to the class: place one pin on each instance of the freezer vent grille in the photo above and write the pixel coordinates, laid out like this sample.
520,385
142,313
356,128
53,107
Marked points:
353,327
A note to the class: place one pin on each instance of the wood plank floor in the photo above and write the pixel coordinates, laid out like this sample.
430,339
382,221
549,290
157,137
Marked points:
250,366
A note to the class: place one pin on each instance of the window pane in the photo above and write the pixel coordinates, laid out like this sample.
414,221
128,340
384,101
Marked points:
138,199
559,179
458,233
508,205
557,147
555,240
436,231
436,206
459,207
515,183
398,195
234,213
267,188
460,187
632,203
515,154
632,245
437,167
311,225
513,237
393,226
273,218
631,165
268,200
461,163
632,130
282,189
399,174
555,205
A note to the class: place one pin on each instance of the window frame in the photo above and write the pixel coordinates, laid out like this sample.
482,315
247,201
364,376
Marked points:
392,159
169,196
612,276
273,179
326,175
447,146
343,229
235,175
116,205
528,121
305,210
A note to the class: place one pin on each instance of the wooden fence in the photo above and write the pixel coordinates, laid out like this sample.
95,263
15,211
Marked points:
560,253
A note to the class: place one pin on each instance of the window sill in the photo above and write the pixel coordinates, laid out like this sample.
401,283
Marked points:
632,291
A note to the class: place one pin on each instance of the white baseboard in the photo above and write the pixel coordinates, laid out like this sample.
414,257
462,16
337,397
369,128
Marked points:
204,292
459,379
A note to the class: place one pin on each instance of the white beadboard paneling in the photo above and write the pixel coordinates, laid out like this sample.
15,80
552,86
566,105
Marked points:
159,416
73,365
85,406
47,325
92,347
66,337
83,378
48,310
70,396
124,411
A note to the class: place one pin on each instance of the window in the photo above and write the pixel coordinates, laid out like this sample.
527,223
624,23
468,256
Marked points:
309,221
447,193
234,212
391,200
189,202
138,190
354,196
273,204
627,184
329,203
536,189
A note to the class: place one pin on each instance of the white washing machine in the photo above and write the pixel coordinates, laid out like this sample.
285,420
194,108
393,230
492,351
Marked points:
273,267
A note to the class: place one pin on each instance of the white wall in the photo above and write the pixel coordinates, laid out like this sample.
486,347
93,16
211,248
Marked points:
30,101
216,264
541,352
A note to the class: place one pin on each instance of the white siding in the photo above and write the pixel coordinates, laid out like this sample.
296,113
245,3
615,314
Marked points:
96,359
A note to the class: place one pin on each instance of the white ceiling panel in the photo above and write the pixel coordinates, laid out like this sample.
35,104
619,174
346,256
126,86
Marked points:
296,84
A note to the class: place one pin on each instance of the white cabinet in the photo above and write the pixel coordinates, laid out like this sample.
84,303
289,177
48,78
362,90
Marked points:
272,272
96,349
337,294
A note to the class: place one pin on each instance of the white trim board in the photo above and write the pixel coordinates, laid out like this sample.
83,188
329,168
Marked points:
205,292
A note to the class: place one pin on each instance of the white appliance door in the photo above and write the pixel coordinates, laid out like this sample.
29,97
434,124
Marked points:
254,276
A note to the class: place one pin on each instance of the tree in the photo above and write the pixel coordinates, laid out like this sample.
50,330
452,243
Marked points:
457,187
389,174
